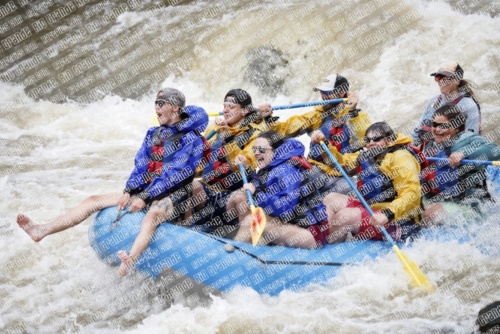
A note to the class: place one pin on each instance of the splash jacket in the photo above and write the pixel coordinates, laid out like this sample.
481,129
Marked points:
220,172
282,185
389,178
169,156
344,130
466,183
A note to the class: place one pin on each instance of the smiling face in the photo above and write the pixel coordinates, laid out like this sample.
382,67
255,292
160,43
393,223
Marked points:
442,129
376,139
167,114
233,112
446,84
263,152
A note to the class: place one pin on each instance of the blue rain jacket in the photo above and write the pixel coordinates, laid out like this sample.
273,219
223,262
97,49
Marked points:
183,148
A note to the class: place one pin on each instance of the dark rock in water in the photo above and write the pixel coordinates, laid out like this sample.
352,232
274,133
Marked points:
488,318
267,70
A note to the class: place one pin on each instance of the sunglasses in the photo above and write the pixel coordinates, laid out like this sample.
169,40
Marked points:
160,103
441,125
373,139
327,92
260,149
439,77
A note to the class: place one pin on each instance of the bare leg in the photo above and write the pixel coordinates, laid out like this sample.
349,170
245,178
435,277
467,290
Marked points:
344,221
290,235
237,205
243,234
158,213
277,233
71,218
341,219
199,197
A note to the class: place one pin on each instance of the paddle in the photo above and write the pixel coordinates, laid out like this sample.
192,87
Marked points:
467,161
410,267
258,217
291,106
210,134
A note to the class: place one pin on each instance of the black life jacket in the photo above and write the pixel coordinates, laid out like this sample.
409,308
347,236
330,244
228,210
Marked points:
313,188
441,182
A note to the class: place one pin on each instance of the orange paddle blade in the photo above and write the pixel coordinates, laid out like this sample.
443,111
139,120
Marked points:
258,224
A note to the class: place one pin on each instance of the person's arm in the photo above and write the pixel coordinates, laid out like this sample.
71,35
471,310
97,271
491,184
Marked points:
475,148
405,170
347,160
213,127
296,125
137,180
329,170
359,121
471,111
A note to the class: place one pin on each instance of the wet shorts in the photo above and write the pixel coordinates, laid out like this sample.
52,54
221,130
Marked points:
320,232
367,230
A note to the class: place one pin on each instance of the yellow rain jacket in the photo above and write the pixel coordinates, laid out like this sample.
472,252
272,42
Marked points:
308,121
313,120
401,167
232,149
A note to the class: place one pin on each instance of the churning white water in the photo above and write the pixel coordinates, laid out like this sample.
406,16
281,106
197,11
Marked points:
76,99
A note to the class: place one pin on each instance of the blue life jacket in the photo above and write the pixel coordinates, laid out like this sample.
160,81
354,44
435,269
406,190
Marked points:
169,156
281,187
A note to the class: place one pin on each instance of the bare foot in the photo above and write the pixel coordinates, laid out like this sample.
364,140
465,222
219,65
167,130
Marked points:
34,231
127,263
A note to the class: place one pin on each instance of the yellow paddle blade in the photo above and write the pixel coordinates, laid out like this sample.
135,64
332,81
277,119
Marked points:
418,277
258,224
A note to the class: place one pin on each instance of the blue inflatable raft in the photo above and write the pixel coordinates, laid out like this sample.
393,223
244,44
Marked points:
217,264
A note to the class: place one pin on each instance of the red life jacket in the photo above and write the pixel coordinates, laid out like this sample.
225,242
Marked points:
216,172
339,135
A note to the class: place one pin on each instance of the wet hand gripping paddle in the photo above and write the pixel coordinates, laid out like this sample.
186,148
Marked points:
411,268
258,216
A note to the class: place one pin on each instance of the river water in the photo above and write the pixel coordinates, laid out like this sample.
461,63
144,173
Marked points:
77,87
